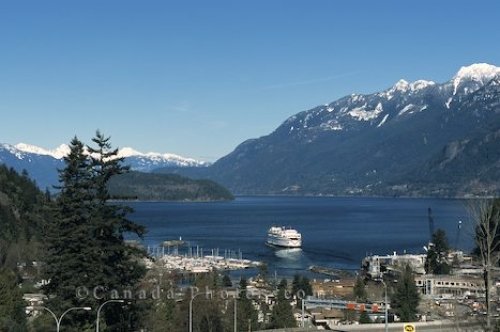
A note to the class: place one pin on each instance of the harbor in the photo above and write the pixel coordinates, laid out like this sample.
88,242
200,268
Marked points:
198,260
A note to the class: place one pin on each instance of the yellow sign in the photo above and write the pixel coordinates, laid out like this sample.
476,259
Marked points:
409,328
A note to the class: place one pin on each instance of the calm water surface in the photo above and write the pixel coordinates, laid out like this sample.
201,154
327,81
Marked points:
336,232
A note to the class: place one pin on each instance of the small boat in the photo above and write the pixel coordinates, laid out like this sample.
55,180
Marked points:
280,236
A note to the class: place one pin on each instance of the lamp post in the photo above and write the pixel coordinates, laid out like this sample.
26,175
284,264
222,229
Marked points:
58,320
235,315
99,311
302,318
191,310
385,306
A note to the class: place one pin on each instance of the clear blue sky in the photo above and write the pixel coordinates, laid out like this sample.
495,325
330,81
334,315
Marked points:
198,78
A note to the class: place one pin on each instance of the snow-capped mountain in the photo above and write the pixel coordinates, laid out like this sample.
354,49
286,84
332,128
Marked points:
389,142
146,162
42,164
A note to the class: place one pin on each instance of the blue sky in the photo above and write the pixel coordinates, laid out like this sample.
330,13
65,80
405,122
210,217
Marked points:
199,77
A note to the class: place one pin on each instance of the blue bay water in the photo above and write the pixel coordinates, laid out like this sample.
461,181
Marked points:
337,232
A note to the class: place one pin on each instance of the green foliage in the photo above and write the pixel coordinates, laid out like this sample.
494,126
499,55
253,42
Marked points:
226,281
263,271
84,242
364,318
282,314
301,286
406,297
12,316
159,312
165,187
246,312
22,216
359,290
435,262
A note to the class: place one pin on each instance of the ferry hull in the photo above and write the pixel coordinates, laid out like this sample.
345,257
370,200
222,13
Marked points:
284,243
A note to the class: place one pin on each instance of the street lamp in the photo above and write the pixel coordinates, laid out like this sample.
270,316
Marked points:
385,305
99,311
58,321
191,310
235,315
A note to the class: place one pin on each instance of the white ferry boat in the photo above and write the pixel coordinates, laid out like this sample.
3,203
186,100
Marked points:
284,237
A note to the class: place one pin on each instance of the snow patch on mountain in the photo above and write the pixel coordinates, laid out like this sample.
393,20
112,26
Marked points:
383,120
361,114
12,150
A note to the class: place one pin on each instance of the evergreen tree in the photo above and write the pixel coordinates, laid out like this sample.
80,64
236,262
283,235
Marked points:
245,312
12,316
359,290
301,286
282,313
406,297
159,312
118,262
71,260
436,255
85,242
226,281
306,286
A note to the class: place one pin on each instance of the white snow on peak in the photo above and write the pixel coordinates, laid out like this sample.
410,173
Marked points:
58,153
421,84
155,156
478,72
63,150
128,152
401,85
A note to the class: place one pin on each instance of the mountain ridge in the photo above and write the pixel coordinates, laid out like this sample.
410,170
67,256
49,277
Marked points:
42,164
376,144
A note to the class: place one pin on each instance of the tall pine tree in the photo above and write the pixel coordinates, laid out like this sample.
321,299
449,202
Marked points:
71,259
120,269
12,316
282,313
406,297
85,241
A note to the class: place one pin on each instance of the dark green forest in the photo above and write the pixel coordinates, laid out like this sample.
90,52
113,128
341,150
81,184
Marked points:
22,218
165,187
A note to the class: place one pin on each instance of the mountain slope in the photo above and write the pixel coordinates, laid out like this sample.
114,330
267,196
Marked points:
419,138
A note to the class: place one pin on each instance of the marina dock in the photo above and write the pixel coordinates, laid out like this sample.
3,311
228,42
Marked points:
198,260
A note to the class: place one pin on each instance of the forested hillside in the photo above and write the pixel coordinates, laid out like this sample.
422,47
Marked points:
22,215
165,187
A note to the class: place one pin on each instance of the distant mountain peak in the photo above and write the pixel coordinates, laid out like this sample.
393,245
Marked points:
478,73
58,153
401,85
128,152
